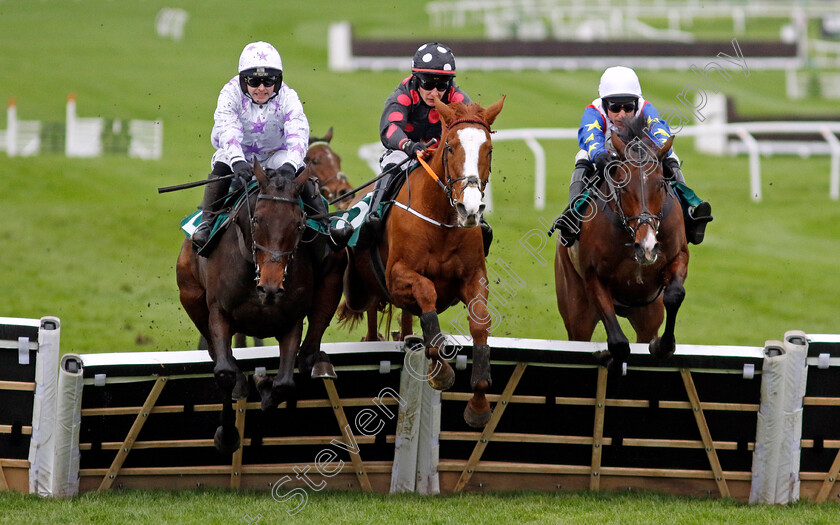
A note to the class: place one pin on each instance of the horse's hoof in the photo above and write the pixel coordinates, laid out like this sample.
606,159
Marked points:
226,439
323,370
225,379
660,351
443,378
273,395
604,358
413,342
241,389
477,419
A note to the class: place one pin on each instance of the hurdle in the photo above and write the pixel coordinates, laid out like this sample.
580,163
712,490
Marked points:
756,424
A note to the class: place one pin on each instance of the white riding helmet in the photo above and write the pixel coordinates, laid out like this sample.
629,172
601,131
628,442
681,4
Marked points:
260,59
260,55
619,81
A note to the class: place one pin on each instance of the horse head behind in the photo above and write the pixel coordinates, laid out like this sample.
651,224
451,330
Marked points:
325,165
639,188
277,225
465,153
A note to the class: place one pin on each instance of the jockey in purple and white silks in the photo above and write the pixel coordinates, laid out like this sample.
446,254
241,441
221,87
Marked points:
620,98
258,117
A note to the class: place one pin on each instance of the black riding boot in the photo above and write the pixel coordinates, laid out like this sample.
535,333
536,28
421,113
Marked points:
214,194
696,212
372,227
315,205
486,235
569,221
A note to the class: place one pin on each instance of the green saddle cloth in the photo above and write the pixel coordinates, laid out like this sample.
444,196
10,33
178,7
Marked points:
232,203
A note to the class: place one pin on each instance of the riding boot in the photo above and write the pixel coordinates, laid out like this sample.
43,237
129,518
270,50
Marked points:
696,212
486,235
569,221
214,193
372,226
312,201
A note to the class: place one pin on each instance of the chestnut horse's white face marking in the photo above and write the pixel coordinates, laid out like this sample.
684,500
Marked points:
471,141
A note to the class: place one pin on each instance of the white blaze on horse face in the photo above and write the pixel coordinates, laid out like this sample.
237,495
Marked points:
471,141
648,247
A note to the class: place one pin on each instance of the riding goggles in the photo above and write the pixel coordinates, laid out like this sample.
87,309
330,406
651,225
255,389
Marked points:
265,81
616,107
430,83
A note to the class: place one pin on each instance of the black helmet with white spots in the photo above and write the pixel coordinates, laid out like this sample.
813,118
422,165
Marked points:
435,59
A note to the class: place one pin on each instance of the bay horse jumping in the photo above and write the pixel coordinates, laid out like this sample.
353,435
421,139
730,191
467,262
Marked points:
267,273
631,259
325,165
432,250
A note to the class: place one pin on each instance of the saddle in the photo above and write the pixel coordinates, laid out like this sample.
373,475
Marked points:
233,201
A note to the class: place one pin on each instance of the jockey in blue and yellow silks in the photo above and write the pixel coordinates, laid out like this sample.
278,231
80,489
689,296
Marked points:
620,98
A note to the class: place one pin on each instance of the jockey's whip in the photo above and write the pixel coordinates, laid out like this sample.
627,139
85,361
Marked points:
368,183
371,181
186,185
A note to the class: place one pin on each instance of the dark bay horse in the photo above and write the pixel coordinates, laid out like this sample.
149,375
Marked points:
262,279
631,259
323,164
432,250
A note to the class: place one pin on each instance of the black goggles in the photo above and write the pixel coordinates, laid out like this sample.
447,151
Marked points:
616,107
265,81
430,83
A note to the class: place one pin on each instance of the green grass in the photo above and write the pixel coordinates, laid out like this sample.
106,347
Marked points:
216,507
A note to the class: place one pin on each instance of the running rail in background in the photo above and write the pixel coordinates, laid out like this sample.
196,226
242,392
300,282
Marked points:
746,142
758,424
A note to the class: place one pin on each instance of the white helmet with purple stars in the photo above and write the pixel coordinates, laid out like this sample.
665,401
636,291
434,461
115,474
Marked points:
260,60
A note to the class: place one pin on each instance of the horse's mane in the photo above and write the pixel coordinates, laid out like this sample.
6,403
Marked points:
637,138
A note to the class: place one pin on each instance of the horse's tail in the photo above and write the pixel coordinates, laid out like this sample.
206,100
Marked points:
348,319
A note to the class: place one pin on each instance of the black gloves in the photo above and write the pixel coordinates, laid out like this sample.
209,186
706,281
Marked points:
243,171
603,159
287,171
412,148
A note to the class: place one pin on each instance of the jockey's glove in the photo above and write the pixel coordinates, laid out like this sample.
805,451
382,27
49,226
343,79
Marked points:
287,171
412,148
603,160
243,171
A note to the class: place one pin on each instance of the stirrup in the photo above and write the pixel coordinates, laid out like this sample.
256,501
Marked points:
339,237
201,235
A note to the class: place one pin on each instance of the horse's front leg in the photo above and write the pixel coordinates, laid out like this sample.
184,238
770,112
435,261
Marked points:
673,296
312,362
618,346
282,387
408,286
474,295
225,372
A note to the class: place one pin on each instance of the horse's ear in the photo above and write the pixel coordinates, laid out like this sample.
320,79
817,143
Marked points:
447,114
328,136
665,148
618,144
259,173
493,111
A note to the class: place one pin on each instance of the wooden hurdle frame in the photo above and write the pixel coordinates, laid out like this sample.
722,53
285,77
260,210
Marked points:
131,402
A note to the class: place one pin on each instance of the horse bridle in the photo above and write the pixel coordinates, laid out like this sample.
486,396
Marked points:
644,216
472,180
323,184
273,255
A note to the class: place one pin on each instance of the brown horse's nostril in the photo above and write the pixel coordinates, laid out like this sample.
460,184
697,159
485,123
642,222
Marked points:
461,209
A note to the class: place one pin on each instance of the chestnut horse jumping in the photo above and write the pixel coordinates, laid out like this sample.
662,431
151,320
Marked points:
432,250
270,244
631,259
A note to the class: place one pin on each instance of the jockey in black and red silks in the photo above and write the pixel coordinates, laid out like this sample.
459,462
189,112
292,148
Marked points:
409,120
